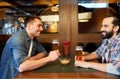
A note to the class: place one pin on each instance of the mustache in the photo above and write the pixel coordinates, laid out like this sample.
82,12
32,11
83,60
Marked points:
103,31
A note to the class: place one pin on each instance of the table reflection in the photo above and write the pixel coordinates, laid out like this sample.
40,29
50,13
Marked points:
59,71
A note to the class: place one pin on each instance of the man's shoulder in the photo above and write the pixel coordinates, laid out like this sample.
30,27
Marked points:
18,37
118,37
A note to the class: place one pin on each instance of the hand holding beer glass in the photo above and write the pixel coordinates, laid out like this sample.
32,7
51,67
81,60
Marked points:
79,53
55,46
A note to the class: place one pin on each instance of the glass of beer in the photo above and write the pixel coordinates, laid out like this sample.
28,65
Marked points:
55,44
79,52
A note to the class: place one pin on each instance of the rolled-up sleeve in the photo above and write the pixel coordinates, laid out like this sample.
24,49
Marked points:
19,55
116,63
19,51
112,69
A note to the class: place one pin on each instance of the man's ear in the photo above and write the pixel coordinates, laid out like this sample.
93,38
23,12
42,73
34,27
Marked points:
116,28
28,26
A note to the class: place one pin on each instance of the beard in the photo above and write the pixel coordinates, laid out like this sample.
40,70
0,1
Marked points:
107,35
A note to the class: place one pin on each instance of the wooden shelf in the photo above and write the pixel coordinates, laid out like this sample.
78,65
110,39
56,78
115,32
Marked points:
89,38
4,38
47,38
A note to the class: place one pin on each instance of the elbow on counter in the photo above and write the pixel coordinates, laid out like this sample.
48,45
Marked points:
20,69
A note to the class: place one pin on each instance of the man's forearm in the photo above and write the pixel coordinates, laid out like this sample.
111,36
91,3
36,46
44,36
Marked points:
38,56
33,64
90,56
98,66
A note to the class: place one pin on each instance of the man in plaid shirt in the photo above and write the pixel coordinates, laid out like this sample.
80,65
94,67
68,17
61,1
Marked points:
109,50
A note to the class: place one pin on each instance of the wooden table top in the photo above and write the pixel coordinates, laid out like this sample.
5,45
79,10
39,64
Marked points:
55,70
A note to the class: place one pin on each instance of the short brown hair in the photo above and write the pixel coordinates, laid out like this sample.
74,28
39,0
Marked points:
30,18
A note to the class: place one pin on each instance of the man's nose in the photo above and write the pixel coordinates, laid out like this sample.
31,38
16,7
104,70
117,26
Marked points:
102,28
41,28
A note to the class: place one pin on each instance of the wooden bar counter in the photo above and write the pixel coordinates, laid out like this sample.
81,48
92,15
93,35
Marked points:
55,70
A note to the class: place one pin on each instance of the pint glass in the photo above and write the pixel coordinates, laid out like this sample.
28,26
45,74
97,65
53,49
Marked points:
55,44
79,52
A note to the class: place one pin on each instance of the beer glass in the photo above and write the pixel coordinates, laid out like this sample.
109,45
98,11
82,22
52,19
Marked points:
55,44
79,52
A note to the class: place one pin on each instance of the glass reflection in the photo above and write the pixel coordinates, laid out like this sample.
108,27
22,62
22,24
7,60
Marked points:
50,19
93,5
91,13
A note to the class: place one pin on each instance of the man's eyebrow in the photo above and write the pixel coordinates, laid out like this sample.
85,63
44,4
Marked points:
40,24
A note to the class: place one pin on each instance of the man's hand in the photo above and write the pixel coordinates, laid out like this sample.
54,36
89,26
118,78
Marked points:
82,64
54,55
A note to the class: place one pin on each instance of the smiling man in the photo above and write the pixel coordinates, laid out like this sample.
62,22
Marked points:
109,50
23,52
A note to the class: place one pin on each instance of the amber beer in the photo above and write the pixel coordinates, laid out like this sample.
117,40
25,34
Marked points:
79,52
55,44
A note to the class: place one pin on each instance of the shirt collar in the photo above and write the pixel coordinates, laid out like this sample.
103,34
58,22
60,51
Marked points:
113,39
26,35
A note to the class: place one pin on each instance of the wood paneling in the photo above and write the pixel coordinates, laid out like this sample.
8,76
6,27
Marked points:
74,24
64,22
47,38
89,38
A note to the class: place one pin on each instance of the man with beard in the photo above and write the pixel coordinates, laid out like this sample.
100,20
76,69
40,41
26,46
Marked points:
108,51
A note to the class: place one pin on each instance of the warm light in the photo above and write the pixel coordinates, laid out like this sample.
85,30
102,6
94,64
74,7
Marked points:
83,20
49,17
84,17
54,8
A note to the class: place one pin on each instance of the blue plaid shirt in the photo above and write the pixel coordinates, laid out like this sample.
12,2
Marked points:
110,52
